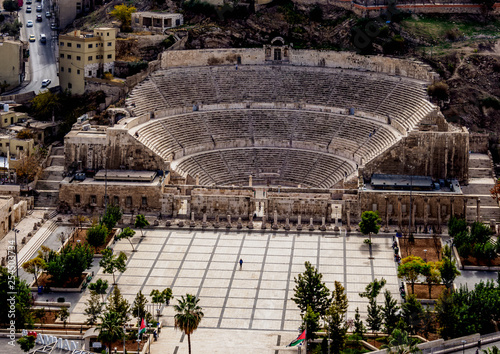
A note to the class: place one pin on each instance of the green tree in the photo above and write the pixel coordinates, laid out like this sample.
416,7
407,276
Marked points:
111,216
34,266
390,312
10,5
99,287
117,304
310,323
63,315
44,105
40,315
167,295
188,315
374,317
157,297
76,260
410,269
127,234
359,327
112,264
310,290
26,343
110,328
400,342
336,321
412,313
141,222
456,226
370,223
22,301
447,315
96,235
432,275
139,306
123,13
93,308
492,350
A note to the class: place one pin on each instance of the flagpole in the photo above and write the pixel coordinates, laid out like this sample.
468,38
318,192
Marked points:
138,331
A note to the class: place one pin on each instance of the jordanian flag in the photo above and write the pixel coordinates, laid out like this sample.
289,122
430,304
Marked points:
299,340
142,328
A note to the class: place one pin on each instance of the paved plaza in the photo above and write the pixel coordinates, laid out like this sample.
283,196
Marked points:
251,302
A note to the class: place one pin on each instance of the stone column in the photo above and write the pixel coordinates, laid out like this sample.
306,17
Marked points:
204,222
426,214
197,180
348,217
386,214
438,215
299,223
263,227
216,224
192,223
311,225
250,221
287,223
400,214
478,210
240,224
228,225
250,181
323,225
275,223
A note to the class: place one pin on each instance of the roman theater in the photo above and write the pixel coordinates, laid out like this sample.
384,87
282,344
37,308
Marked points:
282,136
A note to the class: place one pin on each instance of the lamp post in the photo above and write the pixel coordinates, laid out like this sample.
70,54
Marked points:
463,346
15,241
124,335
425,256
149,338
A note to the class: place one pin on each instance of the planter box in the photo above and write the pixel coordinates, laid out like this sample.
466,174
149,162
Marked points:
34,288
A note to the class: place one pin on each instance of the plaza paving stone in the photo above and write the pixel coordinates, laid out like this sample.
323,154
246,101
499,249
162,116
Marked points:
251,303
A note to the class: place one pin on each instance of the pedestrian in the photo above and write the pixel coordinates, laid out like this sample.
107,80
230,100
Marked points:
241,263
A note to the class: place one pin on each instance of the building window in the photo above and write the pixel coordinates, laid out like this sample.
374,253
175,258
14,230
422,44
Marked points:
20,148
110,56
69,44
0,144
61,44
77,71
68,56
62,55
116,200
90,45
128,202
5,120
69,85
93,200
78,45
78,57
144,201
62,69
109,44
69,70
105,200
7,144
90,58
90,73
107,34
77,198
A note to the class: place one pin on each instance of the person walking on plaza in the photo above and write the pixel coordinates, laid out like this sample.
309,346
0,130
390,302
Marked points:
241,263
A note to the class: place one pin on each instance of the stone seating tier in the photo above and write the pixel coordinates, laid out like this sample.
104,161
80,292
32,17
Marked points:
405,100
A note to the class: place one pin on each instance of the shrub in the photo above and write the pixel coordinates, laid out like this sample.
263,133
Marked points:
439,91
490,102
60,299
96,235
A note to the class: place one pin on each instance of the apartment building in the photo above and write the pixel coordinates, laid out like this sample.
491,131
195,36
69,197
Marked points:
84,55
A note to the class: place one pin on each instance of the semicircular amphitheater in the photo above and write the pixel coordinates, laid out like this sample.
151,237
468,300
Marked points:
281,124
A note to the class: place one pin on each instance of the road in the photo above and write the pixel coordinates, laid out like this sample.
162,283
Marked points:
42,60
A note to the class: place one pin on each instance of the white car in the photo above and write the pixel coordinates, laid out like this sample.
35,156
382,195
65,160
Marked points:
29,23
46,82
48,14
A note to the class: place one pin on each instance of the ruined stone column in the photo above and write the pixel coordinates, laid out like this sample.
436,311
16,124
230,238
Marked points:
287,223
228,225
386,229
323,225
263,227
239,225
438,215
204,223
192,223
250,221
348,217
275,223
216,224
250,181
478,210
426,214
311,225
197,180
299,224
400,214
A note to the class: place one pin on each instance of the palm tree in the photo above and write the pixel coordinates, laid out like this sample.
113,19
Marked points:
188,315
110,329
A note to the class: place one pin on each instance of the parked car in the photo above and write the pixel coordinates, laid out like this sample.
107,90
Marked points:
28,2
39,8
39,18
32,38
48,14
46,82
28,9
53,26
43,38
29,23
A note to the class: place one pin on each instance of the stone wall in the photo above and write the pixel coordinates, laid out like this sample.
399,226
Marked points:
440,155
345,60
292,204
479,142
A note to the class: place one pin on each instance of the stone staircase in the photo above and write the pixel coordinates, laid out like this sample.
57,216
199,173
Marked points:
48,185
481,180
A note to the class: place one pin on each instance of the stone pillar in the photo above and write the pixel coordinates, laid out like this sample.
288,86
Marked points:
287,223
438,215
263,222
275,223
311,225
348,217
400,214
216,223
250,221
299,223
204,223
478,210
426,214
197,180
465,209
240,224
386,229
228,225
323,224
192,223
250,181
